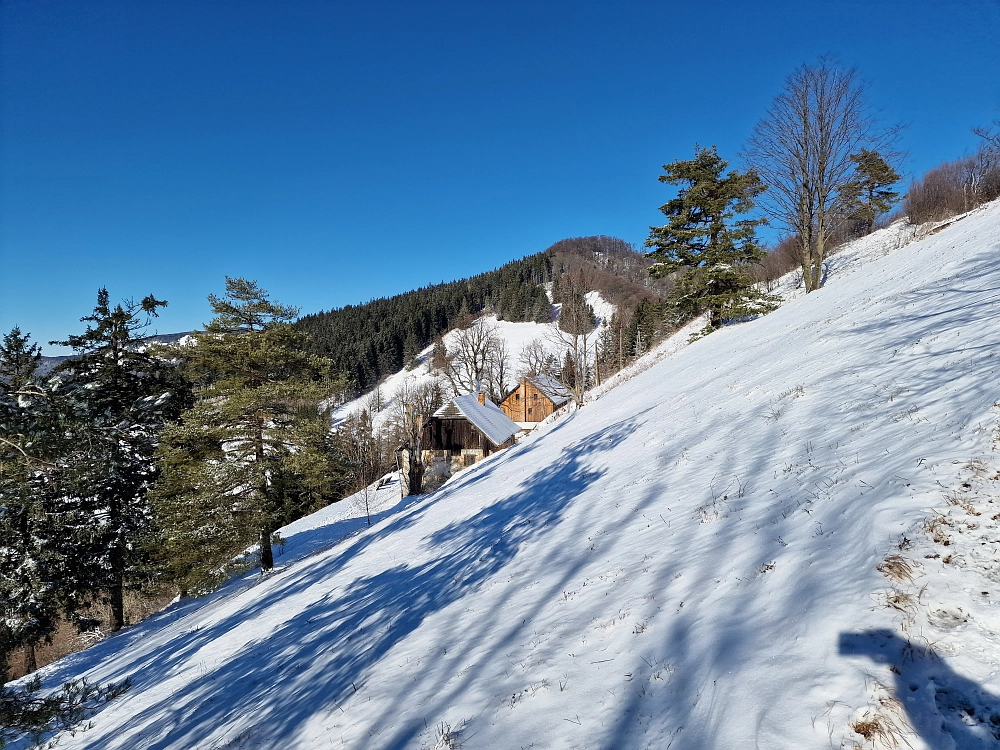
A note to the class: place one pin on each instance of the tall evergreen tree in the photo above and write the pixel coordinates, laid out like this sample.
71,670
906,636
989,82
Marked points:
702,240
867,195
18,359
643,327
31,436
612,349
254,433
120,396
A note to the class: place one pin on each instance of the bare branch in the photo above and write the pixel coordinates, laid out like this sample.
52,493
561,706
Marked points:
802,151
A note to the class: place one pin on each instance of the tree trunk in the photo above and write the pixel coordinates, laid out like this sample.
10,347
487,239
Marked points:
820,252
116,598
30,664
116,562
806,264
416,474
715,318
266,553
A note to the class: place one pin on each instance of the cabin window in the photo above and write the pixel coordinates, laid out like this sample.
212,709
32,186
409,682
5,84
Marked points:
534,396
530,410
517,396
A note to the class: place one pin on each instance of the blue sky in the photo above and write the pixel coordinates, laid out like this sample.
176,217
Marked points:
341,151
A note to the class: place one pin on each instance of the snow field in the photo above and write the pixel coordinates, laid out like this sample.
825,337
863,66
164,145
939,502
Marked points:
688,561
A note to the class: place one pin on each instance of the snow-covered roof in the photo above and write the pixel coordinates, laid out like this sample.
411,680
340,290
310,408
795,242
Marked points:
551,388
488,419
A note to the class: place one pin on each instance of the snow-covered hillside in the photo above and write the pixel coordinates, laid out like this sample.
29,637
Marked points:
516,336
690,561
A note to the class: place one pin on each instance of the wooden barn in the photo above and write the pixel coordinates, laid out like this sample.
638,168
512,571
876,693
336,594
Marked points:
463,431
534,399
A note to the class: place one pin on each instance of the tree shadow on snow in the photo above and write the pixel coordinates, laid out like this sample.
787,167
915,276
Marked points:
315,663
947,710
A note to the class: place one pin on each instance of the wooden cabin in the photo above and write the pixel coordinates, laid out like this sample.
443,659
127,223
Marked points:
460,433
534,399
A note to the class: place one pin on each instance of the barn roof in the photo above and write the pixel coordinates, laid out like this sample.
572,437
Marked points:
487,418
551,388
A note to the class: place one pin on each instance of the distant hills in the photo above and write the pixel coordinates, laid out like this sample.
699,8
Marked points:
48,364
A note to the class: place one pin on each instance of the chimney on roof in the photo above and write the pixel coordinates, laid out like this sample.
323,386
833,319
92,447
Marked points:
482,398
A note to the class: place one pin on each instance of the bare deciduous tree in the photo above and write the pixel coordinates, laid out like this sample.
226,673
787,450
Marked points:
365,453
990,137
574,334
414,402
802,151
479,359
954,187
535,359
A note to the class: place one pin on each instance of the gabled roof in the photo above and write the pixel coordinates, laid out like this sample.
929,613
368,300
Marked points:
551,388
487,418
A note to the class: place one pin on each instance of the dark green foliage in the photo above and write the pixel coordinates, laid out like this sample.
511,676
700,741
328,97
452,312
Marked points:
644,327
76,462
116,396
568,372
702,240
32,440
25,713
439,357
253,453
611,354
369,341
867,195
576,316
18,359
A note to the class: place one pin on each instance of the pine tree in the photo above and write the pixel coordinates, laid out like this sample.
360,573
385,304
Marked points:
712,251
18,359
643,327
119,396
612,348
252,442
541,310
439,359
867,195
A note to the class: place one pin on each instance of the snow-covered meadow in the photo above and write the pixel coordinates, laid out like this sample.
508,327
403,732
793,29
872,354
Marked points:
689,561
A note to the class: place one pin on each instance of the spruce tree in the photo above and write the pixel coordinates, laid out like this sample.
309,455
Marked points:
18,359
252,453
31,440
712,251
117,397
868,195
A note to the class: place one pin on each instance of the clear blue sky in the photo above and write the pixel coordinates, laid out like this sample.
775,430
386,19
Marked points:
341,151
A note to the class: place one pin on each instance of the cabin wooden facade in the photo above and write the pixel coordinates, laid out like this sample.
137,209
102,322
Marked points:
534,399
460,433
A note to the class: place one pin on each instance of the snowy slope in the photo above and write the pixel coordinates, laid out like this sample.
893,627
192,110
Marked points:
689,561
516,336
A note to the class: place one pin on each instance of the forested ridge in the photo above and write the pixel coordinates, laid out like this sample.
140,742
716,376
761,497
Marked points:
374,339
366,342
